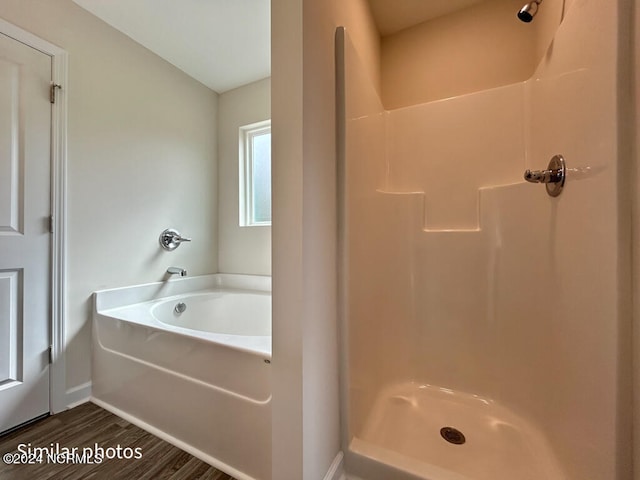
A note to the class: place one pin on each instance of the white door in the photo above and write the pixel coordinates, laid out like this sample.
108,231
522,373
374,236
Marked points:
25,199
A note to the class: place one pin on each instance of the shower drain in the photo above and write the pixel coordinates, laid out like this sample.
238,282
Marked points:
452,435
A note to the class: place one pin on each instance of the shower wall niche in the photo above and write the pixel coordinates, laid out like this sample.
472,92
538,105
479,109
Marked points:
471,299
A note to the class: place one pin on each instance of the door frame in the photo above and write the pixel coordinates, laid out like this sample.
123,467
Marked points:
59,74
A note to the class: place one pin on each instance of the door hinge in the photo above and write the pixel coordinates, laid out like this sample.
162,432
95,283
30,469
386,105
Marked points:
52,92
50,223
50,354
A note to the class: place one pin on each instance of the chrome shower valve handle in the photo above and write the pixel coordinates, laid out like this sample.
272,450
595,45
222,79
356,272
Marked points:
170,239
543,176
554,176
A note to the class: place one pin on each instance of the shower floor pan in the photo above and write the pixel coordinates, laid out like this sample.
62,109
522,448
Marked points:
404,432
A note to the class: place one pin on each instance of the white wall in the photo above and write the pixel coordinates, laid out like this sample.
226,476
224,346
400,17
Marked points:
306,413
141,158
240,249
634,46
286,202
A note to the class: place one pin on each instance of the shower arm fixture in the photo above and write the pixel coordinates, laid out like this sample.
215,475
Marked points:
554,176
529,11
170,239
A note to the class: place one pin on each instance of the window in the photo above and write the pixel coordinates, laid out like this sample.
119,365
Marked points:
255,174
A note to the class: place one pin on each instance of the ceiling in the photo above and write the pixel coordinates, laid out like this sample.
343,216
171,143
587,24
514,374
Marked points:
392,16
225,44
221,43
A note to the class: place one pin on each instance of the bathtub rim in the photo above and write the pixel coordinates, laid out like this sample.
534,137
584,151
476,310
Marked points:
114,297
133,305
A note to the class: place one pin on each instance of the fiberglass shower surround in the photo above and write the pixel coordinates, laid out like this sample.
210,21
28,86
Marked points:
450,371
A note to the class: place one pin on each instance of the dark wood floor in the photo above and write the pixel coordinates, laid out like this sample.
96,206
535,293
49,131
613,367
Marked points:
87,425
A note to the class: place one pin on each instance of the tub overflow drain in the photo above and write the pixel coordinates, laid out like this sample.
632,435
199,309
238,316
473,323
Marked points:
452,435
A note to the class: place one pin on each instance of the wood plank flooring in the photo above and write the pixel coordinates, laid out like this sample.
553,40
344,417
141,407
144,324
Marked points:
88,424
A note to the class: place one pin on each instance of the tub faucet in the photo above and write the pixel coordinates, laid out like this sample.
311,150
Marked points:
177,271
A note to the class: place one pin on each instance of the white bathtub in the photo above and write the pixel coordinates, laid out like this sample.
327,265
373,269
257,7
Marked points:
199,378
219,312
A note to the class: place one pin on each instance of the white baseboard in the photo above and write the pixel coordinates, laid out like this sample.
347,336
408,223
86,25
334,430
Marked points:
336,470
78,395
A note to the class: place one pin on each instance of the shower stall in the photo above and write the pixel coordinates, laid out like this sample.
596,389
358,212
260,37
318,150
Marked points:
485,322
